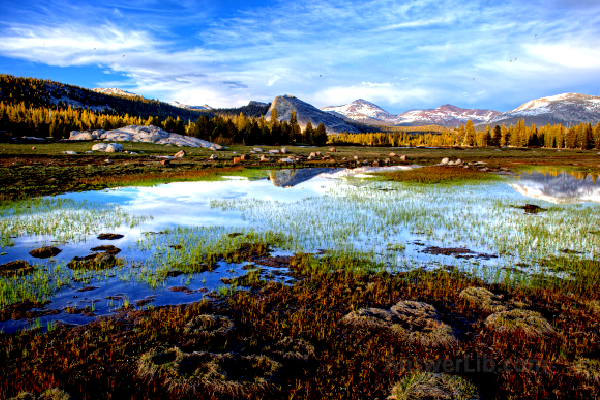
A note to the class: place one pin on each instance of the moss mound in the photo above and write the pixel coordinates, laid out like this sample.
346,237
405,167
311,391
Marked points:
531,323
201,372
13,268
434,386
483,299
587,369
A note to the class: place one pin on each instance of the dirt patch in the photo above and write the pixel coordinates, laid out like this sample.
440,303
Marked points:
183,289
15,268
531,208
108,248
110,236
24,309
458,252
93,261
45,252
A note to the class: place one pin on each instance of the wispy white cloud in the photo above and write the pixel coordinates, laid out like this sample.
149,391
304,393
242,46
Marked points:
402,54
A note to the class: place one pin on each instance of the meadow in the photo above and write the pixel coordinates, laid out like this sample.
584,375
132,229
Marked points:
379,285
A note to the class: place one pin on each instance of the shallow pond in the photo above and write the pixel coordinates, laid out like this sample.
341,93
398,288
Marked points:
169,227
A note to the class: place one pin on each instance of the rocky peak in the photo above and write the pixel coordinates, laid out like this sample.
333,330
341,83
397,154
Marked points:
305,112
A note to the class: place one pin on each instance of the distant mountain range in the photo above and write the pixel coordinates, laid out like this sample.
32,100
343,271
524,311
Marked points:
566,108
178,104
446,115
305,112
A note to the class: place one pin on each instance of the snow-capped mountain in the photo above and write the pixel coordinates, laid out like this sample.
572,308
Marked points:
116,91
178,104
363,111
447,115
563,108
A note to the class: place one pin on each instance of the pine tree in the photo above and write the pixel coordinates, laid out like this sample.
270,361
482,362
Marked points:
469,133
320,138
308,133
505,136
274,116
293,120
487,139
497,136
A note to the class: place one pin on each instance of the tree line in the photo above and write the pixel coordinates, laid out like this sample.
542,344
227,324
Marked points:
21,119
580,136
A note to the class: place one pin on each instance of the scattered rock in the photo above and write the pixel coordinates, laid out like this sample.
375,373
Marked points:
45,252
147,134
213,157
33,148
13,268
392,154
286,160
403,157
109,161
332,149
110,236
99,146
165,162
257,150
69,152
180,154
274,151
356,157
283,150
114,148
445,161
237,160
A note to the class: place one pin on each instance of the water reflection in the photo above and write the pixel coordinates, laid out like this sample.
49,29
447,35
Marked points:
558,187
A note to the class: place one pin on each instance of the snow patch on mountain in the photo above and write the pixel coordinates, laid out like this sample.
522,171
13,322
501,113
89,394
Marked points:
116,91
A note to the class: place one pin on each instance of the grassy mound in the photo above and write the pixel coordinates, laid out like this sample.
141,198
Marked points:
417,322
531,323
293,349
431,175
587,369
208,326
434,386
201,372
50,394
375,319
423,324
483,299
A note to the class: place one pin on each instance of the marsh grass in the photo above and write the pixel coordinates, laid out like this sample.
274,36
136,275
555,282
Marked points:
483,298
438,175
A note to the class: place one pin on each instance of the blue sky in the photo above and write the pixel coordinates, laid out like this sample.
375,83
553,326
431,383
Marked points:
400,55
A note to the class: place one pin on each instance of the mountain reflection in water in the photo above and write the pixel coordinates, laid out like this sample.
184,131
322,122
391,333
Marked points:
292,177
558,187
